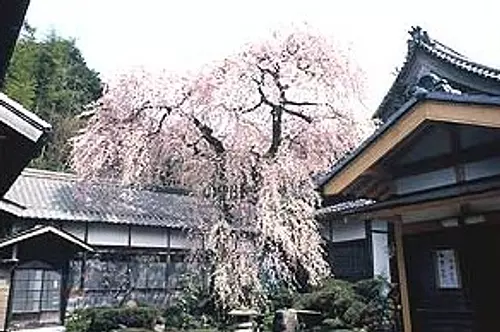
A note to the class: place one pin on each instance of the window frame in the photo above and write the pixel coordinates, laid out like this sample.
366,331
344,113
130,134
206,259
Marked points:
40,293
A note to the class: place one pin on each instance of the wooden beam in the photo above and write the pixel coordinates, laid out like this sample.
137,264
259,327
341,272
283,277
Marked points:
477,115
398,210
374,152
403,285
423,227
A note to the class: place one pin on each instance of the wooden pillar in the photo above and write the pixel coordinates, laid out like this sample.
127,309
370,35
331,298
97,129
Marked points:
65,290
6,277
403,286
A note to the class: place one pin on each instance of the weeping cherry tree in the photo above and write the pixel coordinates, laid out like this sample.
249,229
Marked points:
246,135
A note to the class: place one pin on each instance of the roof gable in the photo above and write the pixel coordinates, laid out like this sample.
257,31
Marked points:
39,231
430,60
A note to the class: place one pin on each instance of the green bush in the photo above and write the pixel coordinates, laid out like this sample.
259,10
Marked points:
364,305
107,319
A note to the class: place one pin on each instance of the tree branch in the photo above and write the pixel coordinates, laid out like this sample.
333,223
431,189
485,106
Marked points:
298,103
277,113
253,108
304,117
168,108
206,133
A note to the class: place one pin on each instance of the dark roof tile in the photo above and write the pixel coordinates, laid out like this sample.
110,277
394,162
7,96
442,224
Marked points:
48,195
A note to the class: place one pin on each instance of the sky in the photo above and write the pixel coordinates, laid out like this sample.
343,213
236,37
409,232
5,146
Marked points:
116,35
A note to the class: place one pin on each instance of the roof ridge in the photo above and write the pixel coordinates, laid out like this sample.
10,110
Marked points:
420,38
72,177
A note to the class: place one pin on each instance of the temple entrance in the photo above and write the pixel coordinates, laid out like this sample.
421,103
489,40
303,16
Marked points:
453,278
482,261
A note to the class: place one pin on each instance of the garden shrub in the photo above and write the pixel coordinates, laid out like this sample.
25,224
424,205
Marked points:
364,305
107,319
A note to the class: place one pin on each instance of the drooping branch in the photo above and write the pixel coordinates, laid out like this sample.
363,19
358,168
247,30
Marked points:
253,108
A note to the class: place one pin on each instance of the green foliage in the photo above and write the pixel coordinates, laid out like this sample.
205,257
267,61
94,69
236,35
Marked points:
361,306
79,321
108,319
195,309
50,77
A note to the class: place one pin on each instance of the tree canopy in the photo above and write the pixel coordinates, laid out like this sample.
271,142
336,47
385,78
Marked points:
50,77
246,135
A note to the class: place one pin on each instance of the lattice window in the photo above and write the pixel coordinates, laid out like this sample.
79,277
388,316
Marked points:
36,290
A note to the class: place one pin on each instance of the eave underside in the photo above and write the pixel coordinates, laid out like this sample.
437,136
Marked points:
12,14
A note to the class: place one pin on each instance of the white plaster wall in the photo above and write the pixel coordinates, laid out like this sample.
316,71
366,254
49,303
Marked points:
150,237
75,229
108,234
380,249
179,240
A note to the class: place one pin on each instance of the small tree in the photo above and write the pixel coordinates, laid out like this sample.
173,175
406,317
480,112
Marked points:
245,135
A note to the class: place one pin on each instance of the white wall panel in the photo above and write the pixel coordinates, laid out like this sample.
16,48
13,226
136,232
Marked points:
179,239
108,234
150,237
380,249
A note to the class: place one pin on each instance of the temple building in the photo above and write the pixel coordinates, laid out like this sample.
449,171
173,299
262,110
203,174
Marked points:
431,174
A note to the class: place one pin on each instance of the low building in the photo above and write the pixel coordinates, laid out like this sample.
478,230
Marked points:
139,237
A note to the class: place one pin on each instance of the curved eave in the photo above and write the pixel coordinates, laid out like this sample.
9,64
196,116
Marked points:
443,55
437,106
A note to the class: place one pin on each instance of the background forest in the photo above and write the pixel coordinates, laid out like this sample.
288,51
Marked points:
49,76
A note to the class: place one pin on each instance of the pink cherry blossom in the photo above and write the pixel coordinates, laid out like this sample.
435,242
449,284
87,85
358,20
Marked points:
245,135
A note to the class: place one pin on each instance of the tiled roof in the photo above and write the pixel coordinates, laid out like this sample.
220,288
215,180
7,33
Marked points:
447,54
48,195
421,43
343,207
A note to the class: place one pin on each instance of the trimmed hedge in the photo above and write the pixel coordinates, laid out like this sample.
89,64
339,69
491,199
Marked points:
108,319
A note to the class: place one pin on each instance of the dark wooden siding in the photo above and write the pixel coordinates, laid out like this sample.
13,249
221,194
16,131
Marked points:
472,307
350,260
434,309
